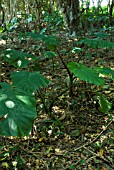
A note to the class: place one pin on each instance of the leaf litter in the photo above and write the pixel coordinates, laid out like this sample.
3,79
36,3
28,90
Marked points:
83,139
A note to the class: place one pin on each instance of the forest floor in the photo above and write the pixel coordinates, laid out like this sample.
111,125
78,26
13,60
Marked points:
82,136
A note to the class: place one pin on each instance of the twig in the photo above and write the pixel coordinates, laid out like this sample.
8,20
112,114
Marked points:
100,157
94,140
89,159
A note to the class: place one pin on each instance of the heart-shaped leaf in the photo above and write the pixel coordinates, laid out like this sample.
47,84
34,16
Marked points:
85,73
29,82
17,112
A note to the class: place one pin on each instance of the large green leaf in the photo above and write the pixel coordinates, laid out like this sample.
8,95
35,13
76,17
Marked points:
97,43
106,71
35,36
29,82
17,58
85,73
105,105
51,41
101,34
17,111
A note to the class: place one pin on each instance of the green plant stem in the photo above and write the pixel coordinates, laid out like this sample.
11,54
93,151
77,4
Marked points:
51,105
69,73
49,111
43,101
82,54
50,114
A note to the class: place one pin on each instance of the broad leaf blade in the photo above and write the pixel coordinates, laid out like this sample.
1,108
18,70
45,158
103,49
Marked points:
17,112
52,42
17,58
29,82
35,35
97,43
85,73
106,71
105,105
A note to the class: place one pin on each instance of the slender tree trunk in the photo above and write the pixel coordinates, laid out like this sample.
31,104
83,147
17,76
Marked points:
71,14
111,11
2,14
75,17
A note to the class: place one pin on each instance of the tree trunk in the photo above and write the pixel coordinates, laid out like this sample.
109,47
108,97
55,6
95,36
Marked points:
71,14
111,11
